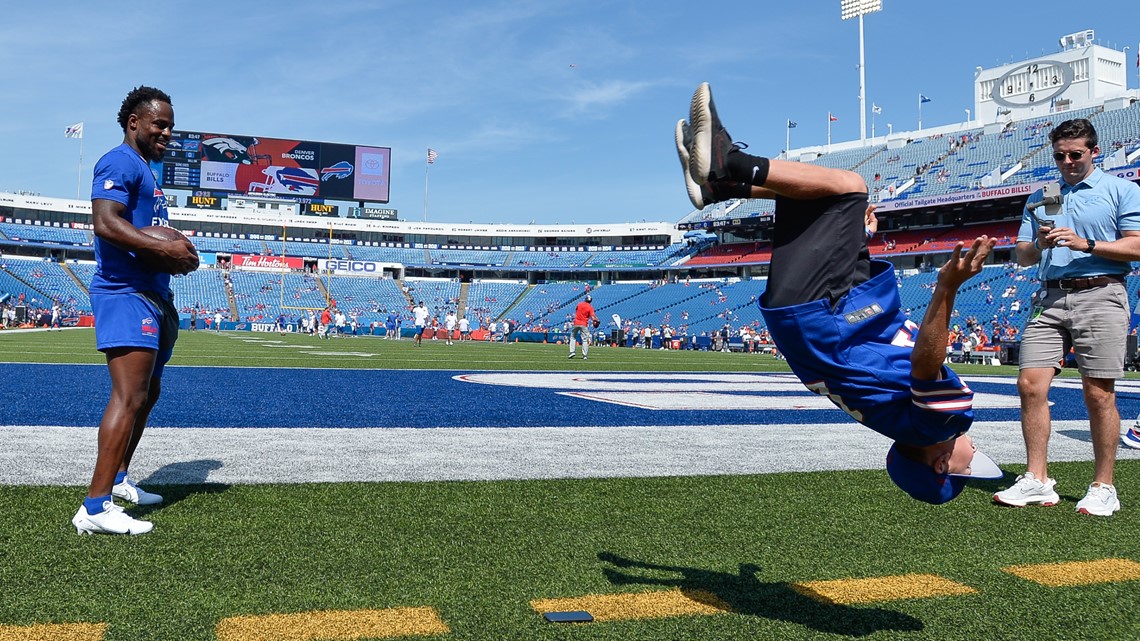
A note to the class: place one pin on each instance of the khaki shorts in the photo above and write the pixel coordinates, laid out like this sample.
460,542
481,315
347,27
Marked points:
1093,322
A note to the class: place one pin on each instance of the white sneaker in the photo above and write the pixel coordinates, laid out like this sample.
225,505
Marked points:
1131,438
128,491
112,520
1027,489
1100,501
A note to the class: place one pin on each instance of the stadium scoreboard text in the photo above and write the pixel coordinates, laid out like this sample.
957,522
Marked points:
272,166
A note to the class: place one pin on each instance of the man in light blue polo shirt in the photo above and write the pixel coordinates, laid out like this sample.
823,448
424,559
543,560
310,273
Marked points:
1083,247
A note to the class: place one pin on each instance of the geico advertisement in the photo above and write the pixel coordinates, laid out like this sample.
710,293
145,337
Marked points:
350,266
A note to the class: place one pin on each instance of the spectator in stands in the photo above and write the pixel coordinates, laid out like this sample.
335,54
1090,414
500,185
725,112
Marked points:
583,316
131,289
895,382
1082,256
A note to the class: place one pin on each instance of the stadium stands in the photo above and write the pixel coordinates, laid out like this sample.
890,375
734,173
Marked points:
39,234
490,299
204,289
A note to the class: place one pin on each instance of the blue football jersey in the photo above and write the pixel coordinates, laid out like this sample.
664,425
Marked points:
123,176
858,356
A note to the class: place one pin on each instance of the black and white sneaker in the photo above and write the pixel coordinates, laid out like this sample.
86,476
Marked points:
711,192
708,154
684,138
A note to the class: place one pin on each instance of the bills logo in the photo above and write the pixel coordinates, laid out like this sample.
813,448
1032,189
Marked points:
159,200
148,327
295,179
340,170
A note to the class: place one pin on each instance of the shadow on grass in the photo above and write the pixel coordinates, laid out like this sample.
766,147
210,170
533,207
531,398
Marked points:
180,480
746,594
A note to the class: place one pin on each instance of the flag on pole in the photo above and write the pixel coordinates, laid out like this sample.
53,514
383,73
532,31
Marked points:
831,118
922,98
74,131
431,156
791,124
876,109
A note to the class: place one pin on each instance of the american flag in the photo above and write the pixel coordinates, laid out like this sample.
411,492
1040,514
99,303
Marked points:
74,131
431,156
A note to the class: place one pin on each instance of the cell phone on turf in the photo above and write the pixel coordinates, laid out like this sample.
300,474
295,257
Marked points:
576,616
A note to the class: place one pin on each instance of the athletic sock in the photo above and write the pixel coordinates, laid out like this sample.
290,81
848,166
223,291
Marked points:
747,168
120,476
94,504
721,191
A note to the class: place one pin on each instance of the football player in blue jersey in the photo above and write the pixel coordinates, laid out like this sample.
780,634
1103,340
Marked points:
835,314
136,321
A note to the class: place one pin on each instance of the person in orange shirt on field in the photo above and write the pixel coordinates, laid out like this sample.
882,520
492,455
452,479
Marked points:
583,314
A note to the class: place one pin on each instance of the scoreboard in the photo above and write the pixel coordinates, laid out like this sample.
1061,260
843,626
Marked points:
273,166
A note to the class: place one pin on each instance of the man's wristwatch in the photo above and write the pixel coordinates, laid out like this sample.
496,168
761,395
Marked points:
1092,246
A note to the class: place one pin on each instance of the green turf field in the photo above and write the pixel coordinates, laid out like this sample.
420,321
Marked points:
246,349
476,554
480,552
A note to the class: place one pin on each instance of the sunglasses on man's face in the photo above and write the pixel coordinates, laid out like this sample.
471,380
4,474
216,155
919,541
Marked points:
1072,155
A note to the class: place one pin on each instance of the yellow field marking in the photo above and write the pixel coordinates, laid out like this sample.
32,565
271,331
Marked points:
887,588
329,625
1078,572
637,605
53,632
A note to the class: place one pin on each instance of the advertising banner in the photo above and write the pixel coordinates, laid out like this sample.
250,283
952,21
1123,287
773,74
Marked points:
268,263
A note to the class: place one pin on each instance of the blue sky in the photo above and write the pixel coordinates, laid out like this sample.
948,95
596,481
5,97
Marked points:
550,111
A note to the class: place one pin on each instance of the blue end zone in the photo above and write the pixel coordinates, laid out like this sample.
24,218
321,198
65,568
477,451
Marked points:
75,395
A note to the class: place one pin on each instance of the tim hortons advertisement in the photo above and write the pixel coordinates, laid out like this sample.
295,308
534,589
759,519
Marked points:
271,263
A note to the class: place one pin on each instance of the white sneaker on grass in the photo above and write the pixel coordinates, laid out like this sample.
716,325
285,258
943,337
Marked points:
128,491
112,520
1027,489
1101,500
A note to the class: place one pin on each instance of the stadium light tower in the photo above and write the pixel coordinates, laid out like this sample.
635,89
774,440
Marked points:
857,9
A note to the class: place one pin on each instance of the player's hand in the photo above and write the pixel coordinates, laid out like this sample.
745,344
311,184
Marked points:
870,220
961,268
175,257
179,257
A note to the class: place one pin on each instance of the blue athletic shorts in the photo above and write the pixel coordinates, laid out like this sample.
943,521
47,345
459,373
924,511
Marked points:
136,320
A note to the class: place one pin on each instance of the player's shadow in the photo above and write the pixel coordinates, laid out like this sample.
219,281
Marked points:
177,481
1084,436
744,593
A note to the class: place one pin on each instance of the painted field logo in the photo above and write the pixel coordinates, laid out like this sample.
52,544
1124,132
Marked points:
696,392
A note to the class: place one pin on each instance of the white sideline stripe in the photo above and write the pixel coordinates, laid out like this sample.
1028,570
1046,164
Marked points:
708,401
65,455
